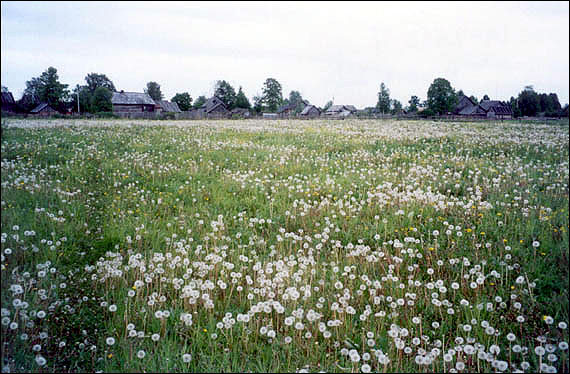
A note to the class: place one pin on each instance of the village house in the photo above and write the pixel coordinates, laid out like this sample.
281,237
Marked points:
340,111
310,111
467,107
214,106
496,109
8,102
132,102
163,106
485,109
288,110
240,113
44,110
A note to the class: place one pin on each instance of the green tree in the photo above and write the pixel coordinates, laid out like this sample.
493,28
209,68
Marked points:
486,97
226,93
272,96
153,90
183,100
45,89
241,100
297,101
31,96
414,103
85,97
441,96
528,102
101,100
327,105
258,103
474,99
201,100
515,107
383,103
553,106
396,106
95,81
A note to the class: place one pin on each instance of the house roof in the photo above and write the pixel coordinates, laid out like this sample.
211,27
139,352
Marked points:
213,103
496,105
308,108
471,110
41,107
131,98
464,104
341,108
292,106
286,107
168,106
7,98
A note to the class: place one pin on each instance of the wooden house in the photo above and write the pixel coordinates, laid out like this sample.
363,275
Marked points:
467,107
8,102
214,106
496,109
292,109
163,106
44,110
340,111
240,113
132,102
310,111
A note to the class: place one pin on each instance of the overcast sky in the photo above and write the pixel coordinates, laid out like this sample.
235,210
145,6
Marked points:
323,50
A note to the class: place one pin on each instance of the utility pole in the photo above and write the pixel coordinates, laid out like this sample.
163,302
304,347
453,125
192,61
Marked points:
78,102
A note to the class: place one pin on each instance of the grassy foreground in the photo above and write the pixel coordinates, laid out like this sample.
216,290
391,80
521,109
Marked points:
338,246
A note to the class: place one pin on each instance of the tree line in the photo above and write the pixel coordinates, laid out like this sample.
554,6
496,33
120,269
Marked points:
442,98
95,96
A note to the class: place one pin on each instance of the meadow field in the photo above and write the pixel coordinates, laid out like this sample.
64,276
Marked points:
284,246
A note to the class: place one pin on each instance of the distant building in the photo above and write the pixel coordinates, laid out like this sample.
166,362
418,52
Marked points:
310,111
132,102
270,115
288,110
340,111
240,112
44,110
467,107
214,106
166,107
485,109
496,109
8,102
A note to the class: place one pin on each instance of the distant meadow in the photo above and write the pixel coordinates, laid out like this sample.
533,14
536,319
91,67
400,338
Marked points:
284,246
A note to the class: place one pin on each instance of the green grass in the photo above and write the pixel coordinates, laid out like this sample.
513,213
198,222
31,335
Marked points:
316,210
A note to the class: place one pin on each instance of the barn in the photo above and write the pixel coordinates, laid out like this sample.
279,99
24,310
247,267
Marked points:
44,110
132,102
